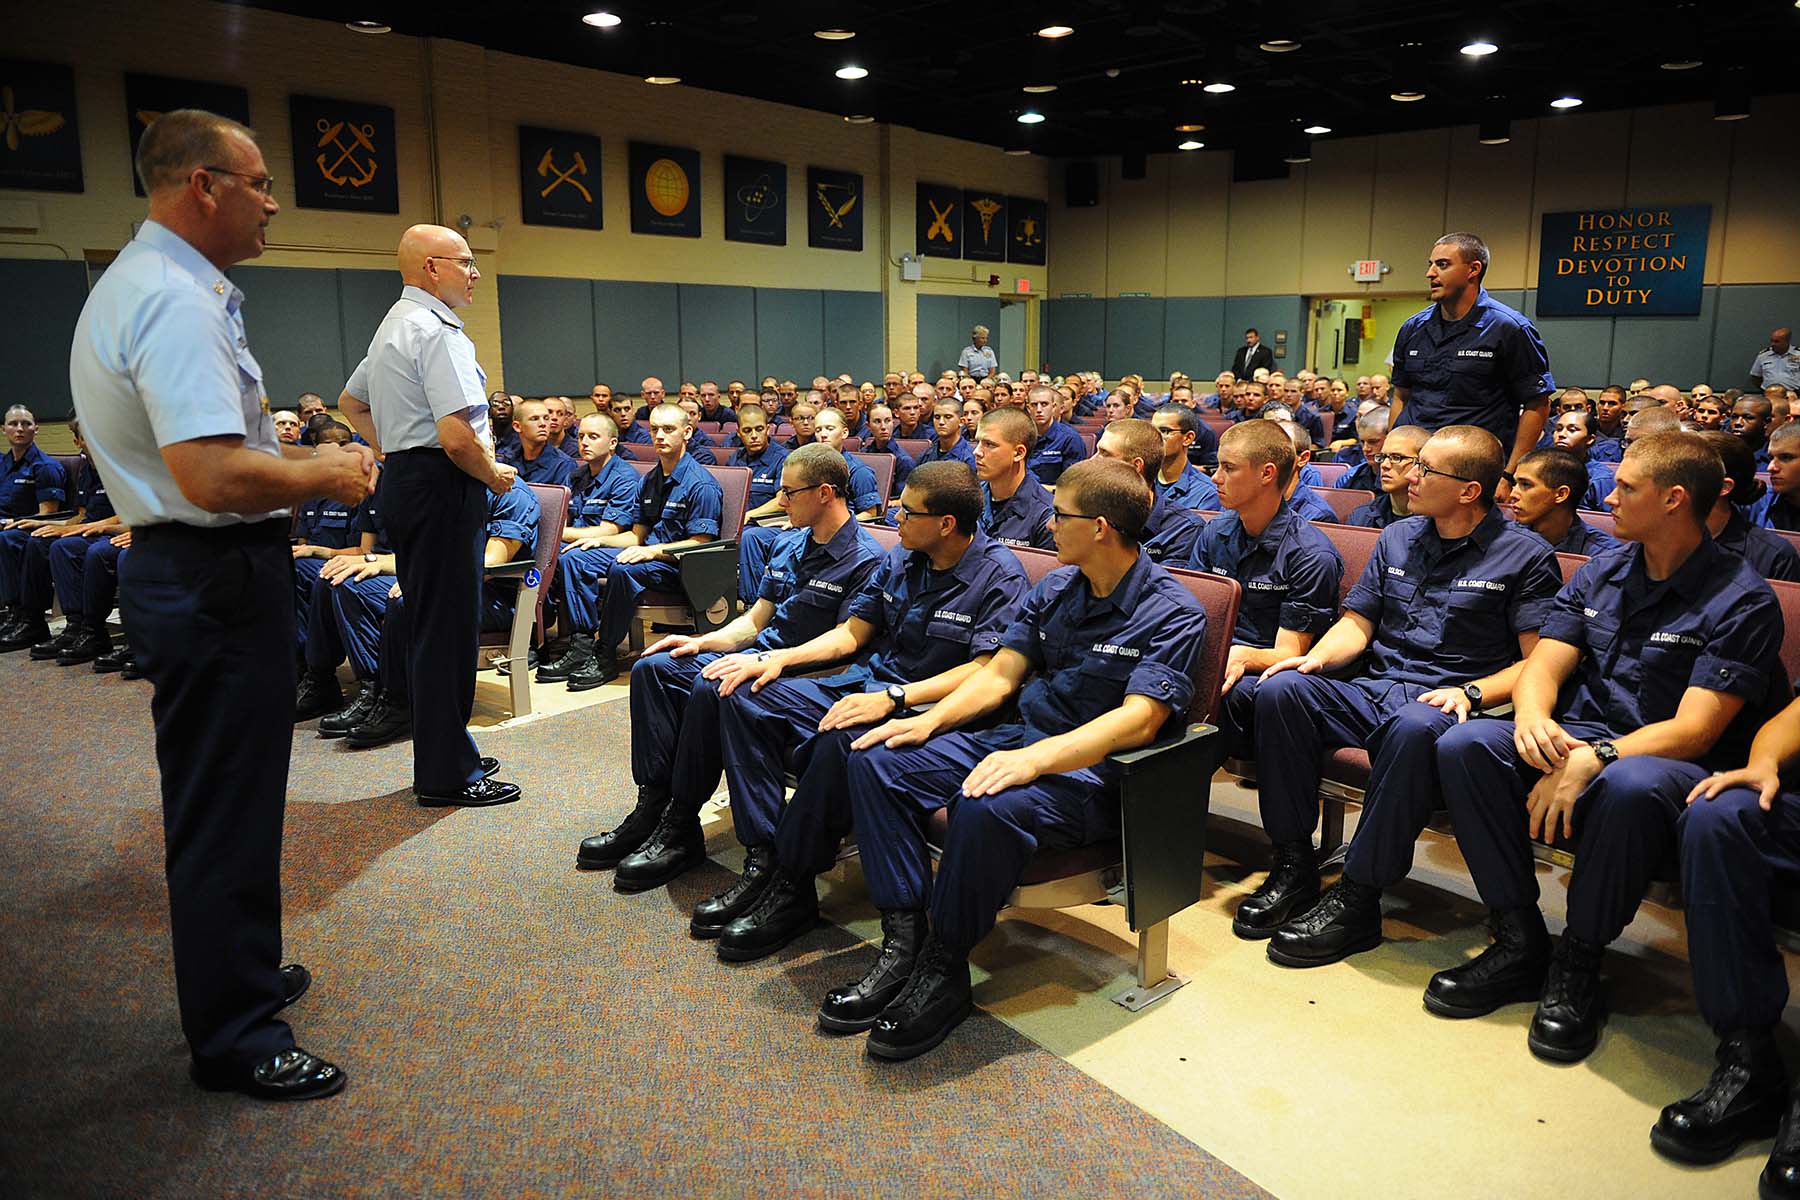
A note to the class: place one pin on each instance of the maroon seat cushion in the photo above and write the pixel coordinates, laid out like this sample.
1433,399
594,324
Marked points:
1045,865
1348,765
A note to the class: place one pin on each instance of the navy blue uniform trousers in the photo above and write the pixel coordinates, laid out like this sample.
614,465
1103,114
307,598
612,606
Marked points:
1731,855
675,748
764,734
436,515
210,615
86,574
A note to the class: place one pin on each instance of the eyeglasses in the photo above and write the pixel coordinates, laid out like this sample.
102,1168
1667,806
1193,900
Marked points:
1426,472
906,513
1057,514
262,185
1401,461
466,263
785,492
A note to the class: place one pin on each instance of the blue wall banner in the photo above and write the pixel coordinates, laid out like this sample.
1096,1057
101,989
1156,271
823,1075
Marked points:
1623,262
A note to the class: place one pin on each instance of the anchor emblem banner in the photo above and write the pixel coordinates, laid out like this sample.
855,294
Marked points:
344,155
559,178
984,226
148,97
940,221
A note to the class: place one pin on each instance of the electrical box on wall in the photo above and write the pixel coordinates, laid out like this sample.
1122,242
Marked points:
911,269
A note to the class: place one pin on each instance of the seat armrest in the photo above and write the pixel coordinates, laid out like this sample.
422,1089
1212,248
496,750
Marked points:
709,579
715,546
509,570
1165,790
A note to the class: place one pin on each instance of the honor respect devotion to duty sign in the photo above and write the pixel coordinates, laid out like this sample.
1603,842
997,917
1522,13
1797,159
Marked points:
1611,262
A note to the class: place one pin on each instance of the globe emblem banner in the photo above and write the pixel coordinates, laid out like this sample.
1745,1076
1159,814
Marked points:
665,190
755,201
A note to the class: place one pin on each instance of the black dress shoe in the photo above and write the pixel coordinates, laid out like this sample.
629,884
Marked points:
1745,1099
490,766
1345,921
787,908
1780,1179
1510,971
295,979
579,654
713,914
23,634
316,696
340,723
854,1008
1566,1026
604,850
132,668
674,846
291,1075
1293,884
483,793
46,651
85,648
601,669
934,1001
387,721
106,664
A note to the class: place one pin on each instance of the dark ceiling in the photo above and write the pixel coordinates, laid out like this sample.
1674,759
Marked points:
957,68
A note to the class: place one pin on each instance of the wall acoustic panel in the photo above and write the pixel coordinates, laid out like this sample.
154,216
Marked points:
790,333
547,326
1580,348
1268,315
718,332
1748,313
292,317
1665,349
1134,338
942,335
40,301
1074,335
1194,336
364,298
637,333
853,334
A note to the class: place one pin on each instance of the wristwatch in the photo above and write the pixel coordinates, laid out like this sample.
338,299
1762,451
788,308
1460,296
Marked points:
897,696
1474,695
371,557
1605,751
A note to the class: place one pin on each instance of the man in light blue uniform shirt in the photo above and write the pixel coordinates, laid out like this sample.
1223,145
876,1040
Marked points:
171,405
428,399
978,357
1780,363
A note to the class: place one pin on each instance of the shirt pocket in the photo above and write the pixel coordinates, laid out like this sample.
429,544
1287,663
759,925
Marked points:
1474,613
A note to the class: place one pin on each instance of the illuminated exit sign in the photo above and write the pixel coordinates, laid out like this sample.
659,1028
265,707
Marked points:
1368,270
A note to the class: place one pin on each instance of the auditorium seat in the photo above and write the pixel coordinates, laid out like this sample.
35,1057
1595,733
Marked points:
534,576
1603,521
1331,473
1343,501
913,446
642,451
1088,440
708,596
883,466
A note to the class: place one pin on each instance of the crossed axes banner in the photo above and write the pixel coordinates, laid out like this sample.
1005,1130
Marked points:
344,155
559,178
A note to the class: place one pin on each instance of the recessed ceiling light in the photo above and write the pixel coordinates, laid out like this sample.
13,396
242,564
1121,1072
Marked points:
1479,48
1016,152
834,35
1191,144
1219,89
601,20
1406,97
1031,116
662,79
860,119
1317,129
1189,127
1279,46
1682,64
1055,31
1038,89
1192,82
368,27
852,72
1566,102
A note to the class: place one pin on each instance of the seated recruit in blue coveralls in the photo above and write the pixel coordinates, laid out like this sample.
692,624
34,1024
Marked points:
1739,841
1773,556
1185,484
1547,487
762,457
54,563
1056,445
1101,658
1450,597
1657,663
35,485
756,543
928,618
603,492
1393,475
815,572
1203,451
1290,572
1171,532
536,459
881,441
1780,508
597,585
947,439
511,533
1015,506
369,571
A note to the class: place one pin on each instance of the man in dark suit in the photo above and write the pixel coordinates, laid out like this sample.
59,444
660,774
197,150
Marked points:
1251,355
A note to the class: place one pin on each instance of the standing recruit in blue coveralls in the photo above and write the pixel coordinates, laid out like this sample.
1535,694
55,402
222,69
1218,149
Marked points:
171,404
428,398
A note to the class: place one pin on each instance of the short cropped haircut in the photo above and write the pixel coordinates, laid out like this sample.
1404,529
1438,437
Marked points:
1692,462
544,401
1758,402
1474,453
1190,423
817,463
1296,433
1784,433
1262,442
749,408
1372,424
1138,438
608,426
180,140
1013,426
1737,462
668,412
1100,487
1470,247
1560,468
337,433
949,488
20,408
